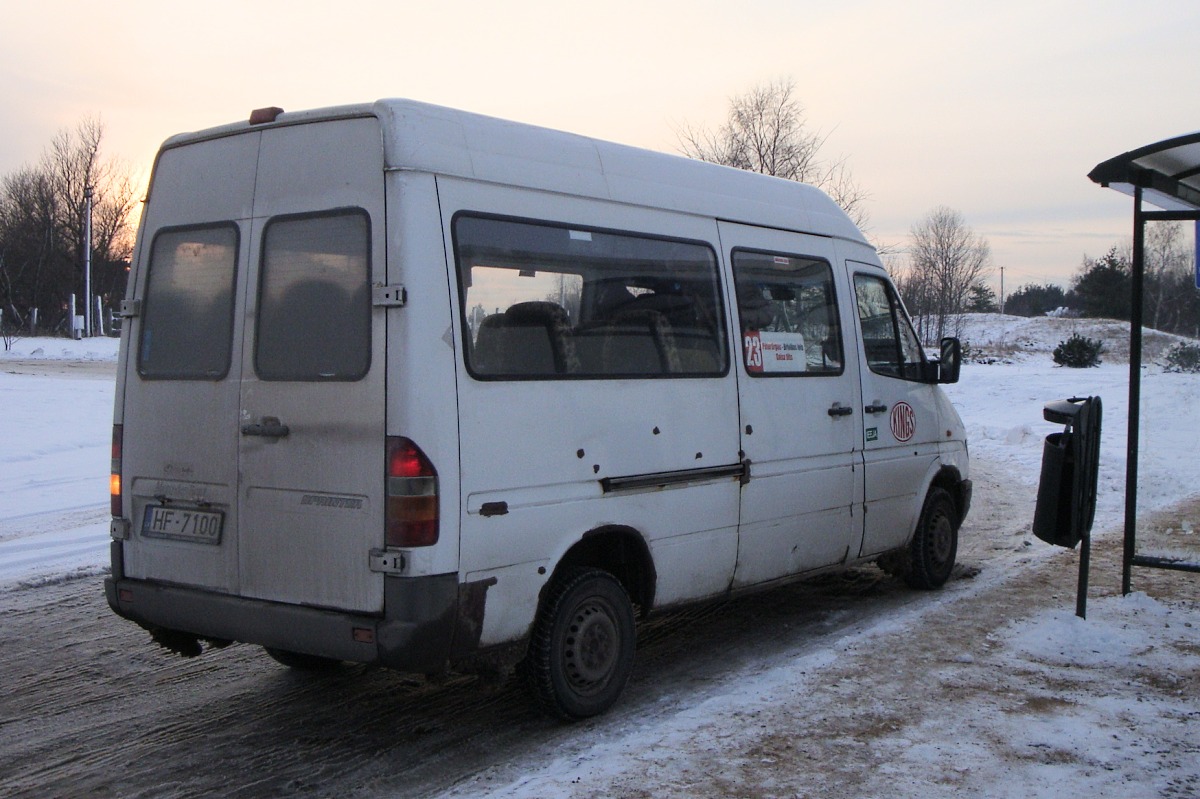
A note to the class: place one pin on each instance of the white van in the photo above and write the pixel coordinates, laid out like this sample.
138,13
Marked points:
405,385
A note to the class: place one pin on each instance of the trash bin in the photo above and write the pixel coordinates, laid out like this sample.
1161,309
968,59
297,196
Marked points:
1066,500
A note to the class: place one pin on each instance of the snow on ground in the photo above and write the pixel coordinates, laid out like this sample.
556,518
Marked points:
1017,337
1048,707
55,459
1101,727
1002,402
1002,406
50,349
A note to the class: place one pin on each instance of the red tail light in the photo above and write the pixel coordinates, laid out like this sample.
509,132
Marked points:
412,496
114,478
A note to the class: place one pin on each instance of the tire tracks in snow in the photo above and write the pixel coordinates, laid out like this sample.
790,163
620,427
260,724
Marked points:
92,707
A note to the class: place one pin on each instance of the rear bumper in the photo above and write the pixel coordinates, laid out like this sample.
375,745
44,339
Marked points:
415,634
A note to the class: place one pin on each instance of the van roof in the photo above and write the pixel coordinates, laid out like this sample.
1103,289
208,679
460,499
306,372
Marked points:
429,138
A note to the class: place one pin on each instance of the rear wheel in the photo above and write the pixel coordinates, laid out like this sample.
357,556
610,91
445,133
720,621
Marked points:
581,652
934,545
301,661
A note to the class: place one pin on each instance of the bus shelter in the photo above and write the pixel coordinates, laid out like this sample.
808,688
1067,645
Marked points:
1167,176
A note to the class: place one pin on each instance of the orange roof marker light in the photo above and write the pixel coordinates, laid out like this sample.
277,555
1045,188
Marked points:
261,116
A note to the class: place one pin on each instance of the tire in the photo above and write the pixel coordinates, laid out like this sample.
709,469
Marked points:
301,661
934,545
581,651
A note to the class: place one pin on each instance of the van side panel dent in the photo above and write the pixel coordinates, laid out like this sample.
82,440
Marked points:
499,605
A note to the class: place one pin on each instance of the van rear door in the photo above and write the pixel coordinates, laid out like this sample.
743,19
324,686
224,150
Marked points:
311,424
254,413
182,366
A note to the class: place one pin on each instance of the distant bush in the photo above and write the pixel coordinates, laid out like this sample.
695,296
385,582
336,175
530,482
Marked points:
1184,358
1033,300
1078,352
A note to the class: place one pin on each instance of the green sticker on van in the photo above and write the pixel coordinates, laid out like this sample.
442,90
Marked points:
872,434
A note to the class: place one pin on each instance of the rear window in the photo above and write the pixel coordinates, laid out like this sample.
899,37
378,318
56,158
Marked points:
314,303
187,314
547,301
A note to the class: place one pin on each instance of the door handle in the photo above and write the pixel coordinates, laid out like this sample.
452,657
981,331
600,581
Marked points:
270,427
876,408
840,410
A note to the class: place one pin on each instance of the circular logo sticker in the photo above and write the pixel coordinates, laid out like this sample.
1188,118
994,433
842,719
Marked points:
904,421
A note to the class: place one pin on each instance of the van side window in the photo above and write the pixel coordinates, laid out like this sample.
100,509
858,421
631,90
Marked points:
892,347
788,314
314,304
543,301
187,318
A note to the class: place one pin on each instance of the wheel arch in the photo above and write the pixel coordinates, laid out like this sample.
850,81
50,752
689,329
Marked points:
950,479
622,552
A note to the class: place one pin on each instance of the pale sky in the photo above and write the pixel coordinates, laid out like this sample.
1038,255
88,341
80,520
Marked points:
997,110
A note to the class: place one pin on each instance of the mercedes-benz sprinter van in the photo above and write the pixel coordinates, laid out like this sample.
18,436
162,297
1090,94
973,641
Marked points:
405,385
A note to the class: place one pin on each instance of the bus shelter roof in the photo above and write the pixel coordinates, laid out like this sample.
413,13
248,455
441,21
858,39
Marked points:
1168,173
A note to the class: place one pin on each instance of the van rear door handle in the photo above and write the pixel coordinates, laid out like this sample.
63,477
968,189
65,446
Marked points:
270,427
876,408
840,410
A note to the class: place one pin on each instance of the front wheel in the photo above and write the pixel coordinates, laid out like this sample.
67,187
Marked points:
934,545
581,652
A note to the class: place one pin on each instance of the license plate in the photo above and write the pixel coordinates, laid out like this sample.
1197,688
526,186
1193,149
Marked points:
183,524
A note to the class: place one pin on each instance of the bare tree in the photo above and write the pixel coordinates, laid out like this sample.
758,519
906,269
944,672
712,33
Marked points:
42,224
1167,258
945,260
73,164
766,132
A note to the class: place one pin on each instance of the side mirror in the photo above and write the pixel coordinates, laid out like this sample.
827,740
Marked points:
950,362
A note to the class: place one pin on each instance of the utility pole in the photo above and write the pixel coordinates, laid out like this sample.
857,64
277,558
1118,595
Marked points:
87,261
1002,291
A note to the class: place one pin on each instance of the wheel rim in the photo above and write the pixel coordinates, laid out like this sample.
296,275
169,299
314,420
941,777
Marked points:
941,538
590,647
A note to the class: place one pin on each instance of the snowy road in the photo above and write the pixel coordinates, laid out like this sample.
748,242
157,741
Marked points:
91,708
849,684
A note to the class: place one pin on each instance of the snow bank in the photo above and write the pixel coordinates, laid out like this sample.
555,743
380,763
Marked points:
1025,338
1118,631
62,349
